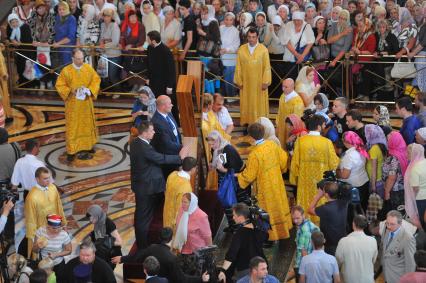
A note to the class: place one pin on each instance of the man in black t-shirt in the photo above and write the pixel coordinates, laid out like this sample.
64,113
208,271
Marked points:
333,215
189,29
340,106
354,122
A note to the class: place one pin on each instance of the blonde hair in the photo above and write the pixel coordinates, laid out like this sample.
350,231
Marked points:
46,264
207,99
65,5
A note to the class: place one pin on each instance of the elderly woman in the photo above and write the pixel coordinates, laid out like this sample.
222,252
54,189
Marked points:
232,161
324,8
170,28
150,20
65,34
246,22
352,166
334,15
340,37
230,43
269,130
377,149
382,119
192,232
404,28
109,41
283,12
88,29
272,10
393,171
18,33
305,86
208,31
17,268
296,128
298,40
104,233
363,7
132,37
320,33
53,242
364,43
415,185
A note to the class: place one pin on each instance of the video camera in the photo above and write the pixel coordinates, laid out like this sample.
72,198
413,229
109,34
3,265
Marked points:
6,195
308,113
345,190
258,216
206,261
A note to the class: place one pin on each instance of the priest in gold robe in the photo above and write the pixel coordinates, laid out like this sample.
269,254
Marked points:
313,155
178,184
78,85
253,76
4,90
290,103
265,164
42,200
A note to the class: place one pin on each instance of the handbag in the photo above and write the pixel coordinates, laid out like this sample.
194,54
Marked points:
321,52
227,190
405,70
301,49
208,47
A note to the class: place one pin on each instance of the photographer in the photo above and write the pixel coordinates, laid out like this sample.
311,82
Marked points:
333,214
246,243
7,207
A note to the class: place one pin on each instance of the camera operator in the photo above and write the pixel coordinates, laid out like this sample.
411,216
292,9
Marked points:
246,243
332,214
7,207
10,153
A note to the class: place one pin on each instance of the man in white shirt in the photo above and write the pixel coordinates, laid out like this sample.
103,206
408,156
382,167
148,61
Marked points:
25,167
356,253
222,113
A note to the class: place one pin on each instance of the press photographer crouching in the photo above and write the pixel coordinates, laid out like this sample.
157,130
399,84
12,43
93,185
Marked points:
334,213
247,242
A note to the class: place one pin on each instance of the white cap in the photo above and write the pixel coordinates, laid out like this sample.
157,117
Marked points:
298,16
276,20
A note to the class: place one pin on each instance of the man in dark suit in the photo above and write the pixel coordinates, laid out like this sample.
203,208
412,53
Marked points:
167,139
161,69
147,181
151,267
169,266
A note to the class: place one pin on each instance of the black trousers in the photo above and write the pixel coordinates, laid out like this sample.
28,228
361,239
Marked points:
59,270
145,207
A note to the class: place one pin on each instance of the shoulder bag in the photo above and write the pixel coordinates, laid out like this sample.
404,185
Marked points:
301,49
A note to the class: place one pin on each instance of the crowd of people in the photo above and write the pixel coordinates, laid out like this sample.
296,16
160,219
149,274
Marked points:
354,181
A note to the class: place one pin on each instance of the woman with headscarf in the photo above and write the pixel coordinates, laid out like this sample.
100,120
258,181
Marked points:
382,119
225,157
150,20
18,33
415,185
393,171
420,50
321,108
88,29
404,28
170,28
364,43
263,27
352,166
192,232
246,22
230,43
340,37
269,130
377,149
18,269
298,40
208,31
305,86
296,128
65,34
284,13
104,234
132,37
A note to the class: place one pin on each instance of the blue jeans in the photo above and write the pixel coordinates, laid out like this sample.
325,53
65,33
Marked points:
421,207
228,75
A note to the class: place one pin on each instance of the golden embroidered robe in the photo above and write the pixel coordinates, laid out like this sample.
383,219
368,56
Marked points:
80,123
293,106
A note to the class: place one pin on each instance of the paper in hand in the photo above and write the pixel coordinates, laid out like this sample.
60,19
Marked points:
82,92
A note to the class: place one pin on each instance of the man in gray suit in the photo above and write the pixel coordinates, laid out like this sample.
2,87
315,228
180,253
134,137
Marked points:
398,248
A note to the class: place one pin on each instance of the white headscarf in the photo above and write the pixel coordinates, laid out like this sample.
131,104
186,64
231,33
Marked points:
269,130
114,8
182,227
215,135
298,16
84,22
16,32
141,8
248,19
210,16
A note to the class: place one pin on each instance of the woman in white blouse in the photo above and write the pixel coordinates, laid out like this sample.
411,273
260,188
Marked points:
297,34
171,29
305,86
230,38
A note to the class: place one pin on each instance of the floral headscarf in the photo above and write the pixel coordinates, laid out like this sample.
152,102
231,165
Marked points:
398,148
353,139
374,135
384,119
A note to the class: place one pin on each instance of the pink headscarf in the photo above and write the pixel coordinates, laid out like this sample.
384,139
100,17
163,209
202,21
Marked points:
416,154
398,148
299,127
353,139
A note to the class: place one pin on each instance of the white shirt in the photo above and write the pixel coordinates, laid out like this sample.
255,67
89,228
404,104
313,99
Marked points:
291,36
252,48
184,174
144,140
314,133
290,96
354,161
230,42
167,119
24,171
224,118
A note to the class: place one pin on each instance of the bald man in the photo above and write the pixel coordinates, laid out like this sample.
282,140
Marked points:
167,139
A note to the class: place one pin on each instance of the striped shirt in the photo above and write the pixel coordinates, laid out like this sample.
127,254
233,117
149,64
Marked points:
55,244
